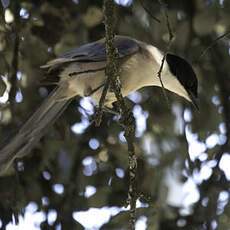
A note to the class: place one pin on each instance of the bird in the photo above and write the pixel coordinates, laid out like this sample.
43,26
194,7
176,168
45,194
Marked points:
81,72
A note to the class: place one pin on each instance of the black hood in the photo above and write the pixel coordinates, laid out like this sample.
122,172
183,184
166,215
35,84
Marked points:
185,74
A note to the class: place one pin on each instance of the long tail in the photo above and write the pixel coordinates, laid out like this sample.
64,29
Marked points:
34,128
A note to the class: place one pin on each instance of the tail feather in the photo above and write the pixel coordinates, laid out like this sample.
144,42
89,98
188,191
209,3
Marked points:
34,128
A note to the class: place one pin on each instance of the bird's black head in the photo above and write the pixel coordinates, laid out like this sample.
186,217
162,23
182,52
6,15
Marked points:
185,74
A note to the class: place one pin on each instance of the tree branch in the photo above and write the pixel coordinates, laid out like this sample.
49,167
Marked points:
14,62
112,72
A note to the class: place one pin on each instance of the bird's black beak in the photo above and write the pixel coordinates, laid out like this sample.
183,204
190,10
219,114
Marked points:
193,99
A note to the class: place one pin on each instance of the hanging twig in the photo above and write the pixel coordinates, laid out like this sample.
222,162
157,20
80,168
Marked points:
171,36
163,5
112,73
169,44
149,12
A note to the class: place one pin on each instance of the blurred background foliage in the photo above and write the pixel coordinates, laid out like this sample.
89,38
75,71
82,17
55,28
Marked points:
183,155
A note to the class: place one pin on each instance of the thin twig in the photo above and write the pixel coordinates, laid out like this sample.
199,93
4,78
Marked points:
170,39
149,12
112,73
171,36
159,76
213,43
99,111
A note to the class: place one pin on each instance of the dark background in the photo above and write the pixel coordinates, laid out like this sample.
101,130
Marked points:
178,145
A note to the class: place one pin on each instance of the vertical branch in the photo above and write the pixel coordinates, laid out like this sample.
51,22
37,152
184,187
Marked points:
112,73
13,81
13,74
14,62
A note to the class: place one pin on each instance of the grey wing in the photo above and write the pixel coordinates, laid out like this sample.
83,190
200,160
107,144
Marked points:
95,52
